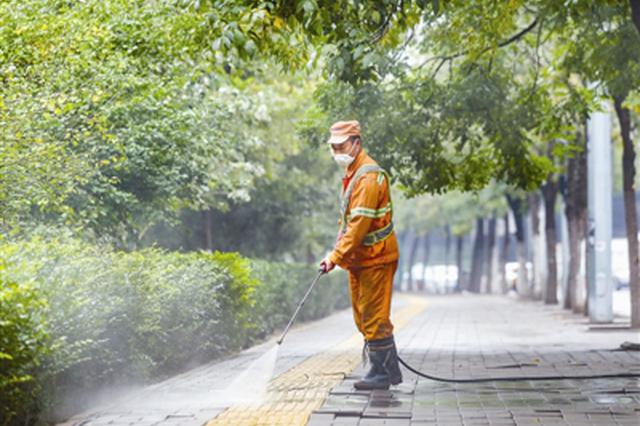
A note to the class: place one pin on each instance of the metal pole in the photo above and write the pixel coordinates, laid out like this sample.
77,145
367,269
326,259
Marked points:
304,299
600,223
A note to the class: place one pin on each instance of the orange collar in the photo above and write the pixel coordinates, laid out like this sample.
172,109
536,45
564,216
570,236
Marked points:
357,162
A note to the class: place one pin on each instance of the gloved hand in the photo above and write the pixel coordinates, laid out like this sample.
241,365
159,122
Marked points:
327,265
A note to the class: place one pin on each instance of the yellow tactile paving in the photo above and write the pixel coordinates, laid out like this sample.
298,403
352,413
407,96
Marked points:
296,393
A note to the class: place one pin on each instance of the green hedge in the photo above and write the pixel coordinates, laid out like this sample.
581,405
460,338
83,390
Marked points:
76,317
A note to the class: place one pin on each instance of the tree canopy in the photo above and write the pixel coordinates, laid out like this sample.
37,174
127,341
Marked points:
119,118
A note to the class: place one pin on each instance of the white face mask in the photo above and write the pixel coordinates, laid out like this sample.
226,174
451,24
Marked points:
344,160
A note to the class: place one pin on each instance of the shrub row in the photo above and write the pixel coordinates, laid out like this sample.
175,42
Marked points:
76,317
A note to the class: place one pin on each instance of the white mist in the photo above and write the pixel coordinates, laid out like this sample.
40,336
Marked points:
250,387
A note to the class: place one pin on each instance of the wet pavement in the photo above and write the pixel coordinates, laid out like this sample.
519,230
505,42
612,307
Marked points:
459,336
294,395
313,358
490,336
197,396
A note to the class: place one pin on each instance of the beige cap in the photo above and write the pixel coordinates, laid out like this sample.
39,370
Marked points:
342,130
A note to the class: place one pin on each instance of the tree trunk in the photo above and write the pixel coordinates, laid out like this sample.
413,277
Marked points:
447,249
582,295
491,242
494,284
477,257
462,285
564,236
425,260
576,213
575,234
630,214
537,260
208,234
635,13
504,253
412,261
407,243
397,279
549,192
522,284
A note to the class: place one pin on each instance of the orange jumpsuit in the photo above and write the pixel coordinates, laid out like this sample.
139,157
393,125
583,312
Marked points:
367,247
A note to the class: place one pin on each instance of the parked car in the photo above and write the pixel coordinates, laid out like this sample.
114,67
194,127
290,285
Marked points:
511,273
619,263
436,279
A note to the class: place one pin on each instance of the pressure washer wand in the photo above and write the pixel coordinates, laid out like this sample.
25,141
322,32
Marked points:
304,299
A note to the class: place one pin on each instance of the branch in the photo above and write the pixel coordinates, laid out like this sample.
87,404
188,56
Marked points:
537,62
442,62
519,35
504,43
382,30
404,46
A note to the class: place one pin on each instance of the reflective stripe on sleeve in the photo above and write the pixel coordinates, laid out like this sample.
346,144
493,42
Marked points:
372,213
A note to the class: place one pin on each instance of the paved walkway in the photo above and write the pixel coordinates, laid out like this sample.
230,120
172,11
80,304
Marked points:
313,358
452,336
490,336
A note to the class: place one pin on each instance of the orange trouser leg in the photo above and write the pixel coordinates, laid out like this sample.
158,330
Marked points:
371,299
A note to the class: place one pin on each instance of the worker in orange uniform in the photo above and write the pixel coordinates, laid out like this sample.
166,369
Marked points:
367,247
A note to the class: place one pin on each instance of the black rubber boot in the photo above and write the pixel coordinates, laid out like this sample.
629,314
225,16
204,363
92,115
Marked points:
393,366
385,370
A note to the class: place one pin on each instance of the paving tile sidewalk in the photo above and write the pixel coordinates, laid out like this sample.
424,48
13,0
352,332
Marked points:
467,336
197,396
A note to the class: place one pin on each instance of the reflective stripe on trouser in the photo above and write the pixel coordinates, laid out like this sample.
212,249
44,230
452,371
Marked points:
371,299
